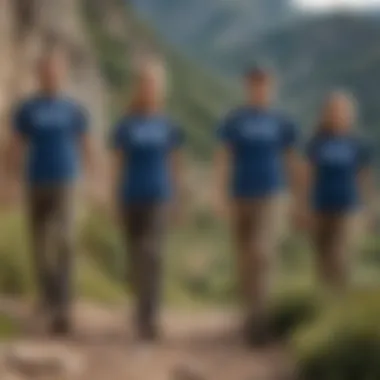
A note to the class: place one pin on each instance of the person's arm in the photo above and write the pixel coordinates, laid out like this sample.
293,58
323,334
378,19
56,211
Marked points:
13,166
178,170
116,165
14,152
93,159
222,167
221,175
294,164
296,170
367,187
368,194
89,147
307,186
14,156
299,174
93,156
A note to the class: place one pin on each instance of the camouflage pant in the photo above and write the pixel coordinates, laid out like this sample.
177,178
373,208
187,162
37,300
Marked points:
145,226
51,216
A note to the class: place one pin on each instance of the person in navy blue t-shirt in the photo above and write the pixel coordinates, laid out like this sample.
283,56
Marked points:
146,146
339,172
52,131
255,161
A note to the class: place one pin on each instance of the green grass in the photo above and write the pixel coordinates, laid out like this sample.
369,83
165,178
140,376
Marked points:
343,342
325,332
16,271
9,329
93,283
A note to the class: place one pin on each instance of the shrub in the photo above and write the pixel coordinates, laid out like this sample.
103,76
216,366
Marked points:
291,310
93,284
16,270
343,343
100,240
9,329
15,274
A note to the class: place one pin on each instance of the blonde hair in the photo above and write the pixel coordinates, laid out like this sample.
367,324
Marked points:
143,65
337,95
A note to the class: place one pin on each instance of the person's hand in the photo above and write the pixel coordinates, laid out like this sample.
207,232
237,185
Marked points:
103,199
221,207
97,191
302,219
371,222
108,208
113,212
100,196
9,194
177,214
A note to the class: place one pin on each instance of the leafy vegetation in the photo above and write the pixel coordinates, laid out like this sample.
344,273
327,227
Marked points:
332,338
8,328
343,343
213,31
16,269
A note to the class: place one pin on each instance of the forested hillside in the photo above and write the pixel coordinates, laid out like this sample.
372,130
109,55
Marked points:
312,53
338,50
211,29
197,98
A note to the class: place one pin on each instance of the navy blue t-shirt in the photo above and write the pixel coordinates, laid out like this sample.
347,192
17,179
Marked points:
257,140
51,127
336,161
146,143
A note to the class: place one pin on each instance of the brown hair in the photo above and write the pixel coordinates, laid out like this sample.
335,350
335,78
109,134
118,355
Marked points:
259,72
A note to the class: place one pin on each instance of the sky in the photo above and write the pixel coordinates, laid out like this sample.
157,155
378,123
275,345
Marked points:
328,4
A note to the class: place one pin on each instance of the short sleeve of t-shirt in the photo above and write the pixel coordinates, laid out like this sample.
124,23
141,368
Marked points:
224,129
290,136
365,154
117,136
309,149
177,138
82,120
21,119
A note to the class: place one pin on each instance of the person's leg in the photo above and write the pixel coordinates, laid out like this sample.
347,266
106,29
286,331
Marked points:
40,208
333,245
132,220
263,240
146,226
151,269
64,225
241,231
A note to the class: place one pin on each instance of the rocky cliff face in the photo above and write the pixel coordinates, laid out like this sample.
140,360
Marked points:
25,27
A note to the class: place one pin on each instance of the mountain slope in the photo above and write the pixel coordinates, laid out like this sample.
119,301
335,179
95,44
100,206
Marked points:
197,98
209,28
340,50
312,54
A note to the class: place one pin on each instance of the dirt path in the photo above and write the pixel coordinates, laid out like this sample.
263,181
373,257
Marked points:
199,346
